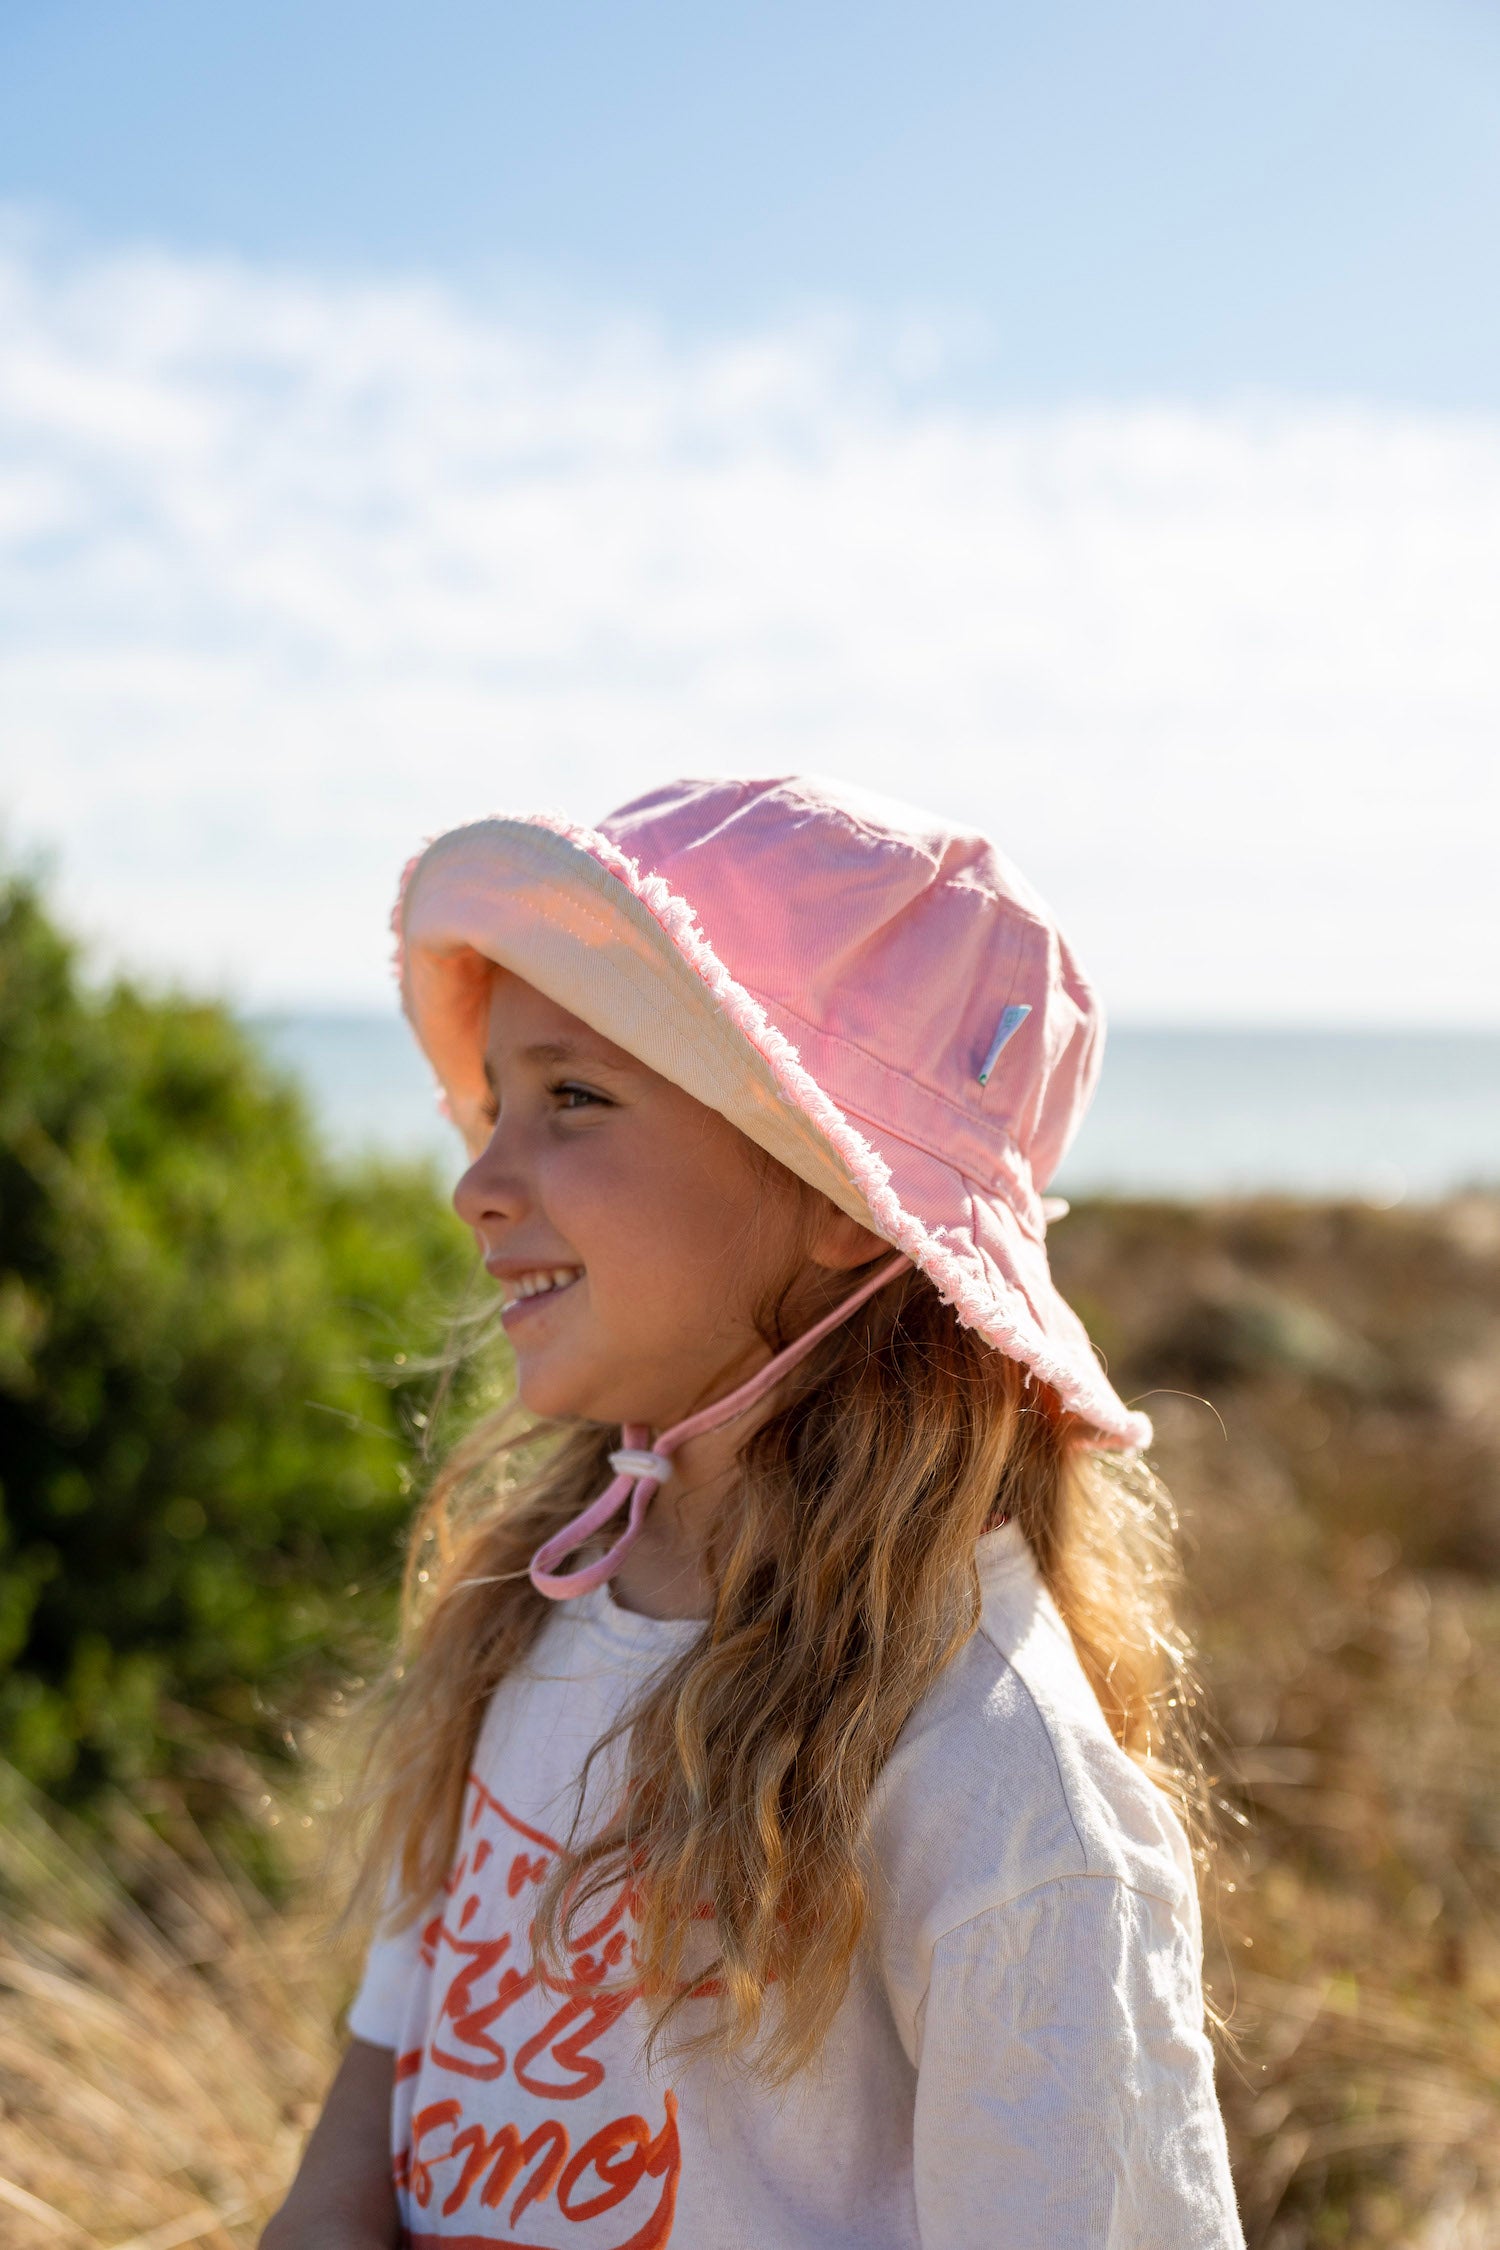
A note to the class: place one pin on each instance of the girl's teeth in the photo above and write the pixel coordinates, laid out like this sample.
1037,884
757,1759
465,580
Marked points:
538,1284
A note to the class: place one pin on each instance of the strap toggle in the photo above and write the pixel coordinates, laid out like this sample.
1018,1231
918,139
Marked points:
638,1461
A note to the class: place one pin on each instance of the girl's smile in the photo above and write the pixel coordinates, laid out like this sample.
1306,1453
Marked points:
523,1290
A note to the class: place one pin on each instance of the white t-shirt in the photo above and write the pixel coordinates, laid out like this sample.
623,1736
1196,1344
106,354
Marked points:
1020,2063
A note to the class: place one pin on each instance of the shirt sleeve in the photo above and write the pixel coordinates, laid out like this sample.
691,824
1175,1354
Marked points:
1065,2093
378,2011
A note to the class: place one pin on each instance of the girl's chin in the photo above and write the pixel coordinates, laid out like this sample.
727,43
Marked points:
547,1387
557,1391
541,1392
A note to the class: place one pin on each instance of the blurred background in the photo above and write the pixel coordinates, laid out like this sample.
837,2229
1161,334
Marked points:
1083,421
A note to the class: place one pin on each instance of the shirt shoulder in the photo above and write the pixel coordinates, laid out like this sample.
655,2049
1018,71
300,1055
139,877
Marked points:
1006,1778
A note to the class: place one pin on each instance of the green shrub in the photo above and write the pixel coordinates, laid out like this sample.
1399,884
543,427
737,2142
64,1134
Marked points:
203,1462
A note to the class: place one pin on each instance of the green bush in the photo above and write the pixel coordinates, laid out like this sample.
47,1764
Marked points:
204,1459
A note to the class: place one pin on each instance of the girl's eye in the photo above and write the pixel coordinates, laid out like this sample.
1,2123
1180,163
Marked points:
572,1096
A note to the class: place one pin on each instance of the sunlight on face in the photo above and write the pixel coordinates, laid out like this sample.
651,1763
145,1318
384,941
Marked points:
633,1231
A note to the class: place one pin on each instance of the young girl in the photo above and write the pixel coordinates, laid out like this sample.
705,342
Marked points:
774,1827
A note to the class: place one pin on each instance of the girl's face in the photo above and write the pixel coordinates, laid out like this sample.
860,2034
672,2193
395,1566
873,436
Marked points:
634,1232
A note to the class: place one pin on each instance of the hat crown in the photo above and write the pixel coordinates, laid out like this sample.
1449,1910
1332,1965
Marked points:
900,955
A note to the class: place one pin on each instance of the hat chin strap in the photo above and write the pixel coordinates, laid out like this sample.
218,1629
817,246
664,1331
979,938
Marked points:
642,1468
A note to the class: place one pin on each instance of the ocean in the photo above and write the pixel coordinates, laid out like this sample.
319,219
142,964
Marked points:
1378,1115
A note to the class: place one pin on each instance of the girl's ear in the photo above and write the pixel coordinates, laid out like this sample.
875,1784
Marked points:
840,1243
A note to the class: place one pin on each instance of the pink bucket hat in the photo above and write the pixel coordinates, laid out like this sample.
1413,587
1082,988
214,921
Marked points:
873,996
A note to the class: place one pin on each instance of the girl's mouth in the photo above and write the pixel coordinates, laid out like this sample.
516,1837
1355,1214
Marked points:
524,1292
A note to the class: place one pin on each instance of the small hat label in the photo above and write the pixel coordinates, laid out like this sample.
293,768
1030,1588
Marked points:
1010,1022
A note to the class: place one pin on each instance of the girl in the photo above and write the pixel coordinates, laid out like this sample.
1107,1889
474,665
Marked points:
775,1832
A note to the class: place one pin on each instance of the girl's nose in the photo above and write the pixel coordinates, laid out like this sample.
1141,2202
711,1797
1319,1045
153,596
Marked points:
491,1191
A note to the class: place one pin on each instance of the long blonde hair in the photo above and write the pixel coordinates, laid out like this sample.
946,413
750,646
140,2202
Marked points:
844,1580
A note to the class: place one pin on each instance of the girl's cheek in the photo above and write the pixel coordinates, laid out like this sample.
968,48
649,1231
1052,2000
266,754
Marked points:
591,1189
575,1194
651,1227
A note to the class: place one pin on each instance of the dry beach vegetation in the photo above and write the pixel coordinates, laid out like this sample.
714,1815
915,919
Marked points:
1326,1385
1328,1412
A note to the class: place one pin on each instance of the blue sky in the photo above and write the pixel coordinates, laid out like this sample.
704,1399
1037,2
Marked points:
1083,419
1170,197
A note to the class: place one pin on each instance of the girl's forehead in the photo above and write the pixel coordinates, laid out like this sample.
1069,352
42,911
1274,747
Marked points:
524,1021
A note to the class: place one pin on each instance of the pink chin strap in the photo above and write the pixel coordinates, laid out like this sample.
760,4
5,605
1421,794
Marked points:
642,1468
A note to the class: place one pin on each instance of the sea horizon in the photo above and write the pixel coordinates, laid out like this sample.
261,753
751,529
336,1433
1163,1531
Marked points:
1181,1110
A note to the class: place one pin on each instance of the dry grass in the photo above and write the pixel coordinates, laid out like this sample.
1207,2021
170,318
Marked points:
165,2037
165,2033
1342,1494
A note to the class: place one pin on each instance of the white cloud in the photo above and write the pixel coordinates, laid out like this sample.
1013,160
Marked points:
293,573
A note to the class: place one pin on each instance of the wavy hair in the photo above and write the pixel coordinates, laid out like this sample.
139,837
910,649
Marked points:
843,1579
